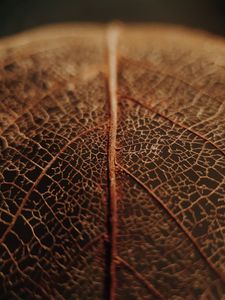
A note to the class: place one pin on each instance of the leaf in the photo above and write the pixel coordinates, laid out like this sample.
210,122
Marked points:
112,163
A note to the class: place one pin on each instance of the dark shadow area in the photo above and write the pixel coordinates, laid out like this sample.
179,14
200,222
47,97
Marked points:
18,15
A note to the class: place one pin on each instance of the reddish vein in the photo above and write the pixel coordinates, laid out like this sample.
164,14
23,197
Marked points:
170,213
44,171
141,278
112,40
172,121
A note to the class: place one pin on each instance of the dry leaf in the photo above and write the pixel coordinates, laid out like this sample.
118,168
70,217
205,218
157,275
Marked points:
112,163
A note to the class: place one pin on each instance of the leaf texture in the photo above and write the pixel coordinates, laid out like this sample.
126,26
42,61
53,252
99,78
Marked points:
112,164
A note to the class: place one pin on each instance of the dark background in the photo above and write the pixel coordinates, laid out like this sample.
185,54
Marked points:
17,15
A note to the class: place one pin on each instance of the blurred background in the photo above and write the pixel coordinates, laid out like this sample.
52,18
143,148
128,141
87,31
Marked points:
18,15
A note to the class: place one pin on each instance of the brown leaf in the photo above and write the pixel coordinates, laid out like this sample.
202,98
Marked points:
112,164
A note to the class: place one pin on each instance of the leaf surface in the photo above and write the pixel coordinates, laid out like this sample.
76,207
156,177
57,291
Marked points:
112,164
